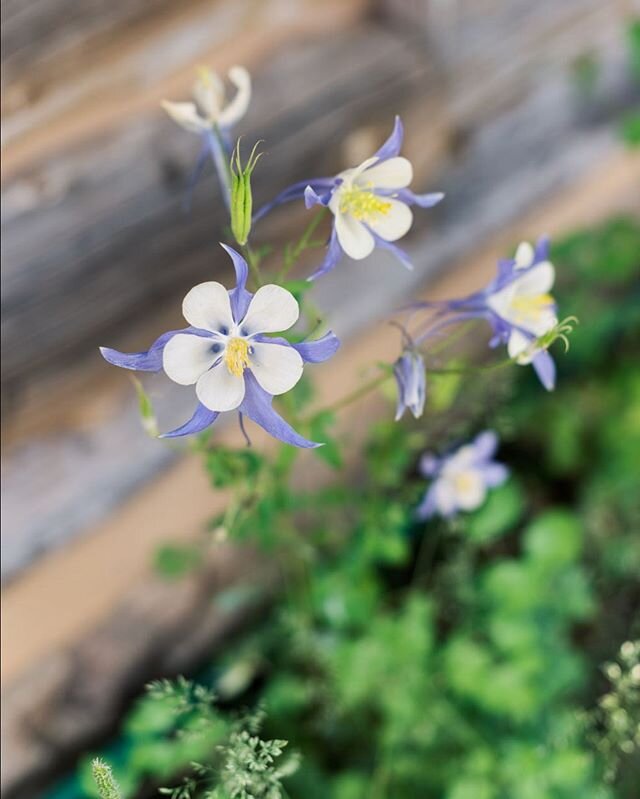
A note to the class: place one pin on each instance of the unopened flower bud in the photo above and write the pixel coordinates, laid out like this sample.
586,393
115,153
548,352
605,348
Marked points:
241,198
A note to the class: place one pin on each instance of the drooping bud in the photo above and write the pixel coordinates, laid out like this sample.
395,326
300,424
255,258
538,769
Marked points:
409,372
241,197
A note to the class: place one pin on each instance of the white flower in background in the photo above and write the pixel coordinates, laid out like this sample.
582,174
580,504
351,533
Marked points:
211,107
213,117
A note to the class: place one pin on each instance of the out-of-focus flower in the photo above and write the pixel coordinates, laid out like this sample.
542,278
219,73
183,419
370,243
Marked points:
370,203
524,310
460,479
213,117
409,372
518,306
229,358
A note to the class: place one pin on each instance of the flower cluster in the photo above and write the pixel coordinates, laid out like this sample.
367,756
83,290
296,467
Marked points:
228,351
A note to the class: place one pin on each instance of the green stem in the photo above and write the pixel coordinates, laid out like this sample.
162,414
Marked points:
253,262
292,256
227,166
359,392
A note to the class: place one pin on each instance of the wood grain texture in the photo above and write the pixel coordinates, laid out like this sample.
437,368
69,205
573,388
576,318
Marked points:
105,260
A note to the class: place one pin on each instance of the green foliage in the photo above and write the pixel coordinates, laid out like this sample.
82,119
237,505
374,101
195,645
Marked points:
173,561
630,129
615,724
634,48
437,660
227,467
499,514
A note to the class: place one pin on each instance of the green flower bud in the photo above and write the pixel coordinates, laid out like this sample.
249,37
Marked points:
241,198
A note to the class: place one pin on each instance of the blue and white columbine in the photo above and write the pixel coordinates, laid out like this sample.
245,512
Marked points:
226,355
370,204
518,306
213,118
460,480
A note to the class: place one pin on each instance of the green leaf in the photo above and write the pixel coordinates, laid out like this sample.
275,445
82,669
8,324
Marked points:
173,561
442,389
500,513
630,129
555,538
228,467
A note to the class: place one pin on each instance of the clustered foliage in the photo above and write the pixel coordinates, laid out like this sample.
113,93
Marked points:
452,659
443,642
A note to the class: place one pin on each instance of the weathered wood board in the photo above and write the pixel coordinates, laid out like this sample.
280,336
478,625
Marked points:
100,249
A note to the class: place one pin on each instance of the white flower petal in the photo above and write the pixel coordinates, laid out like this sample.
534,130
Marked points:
518,345
394,173
186,357
524,255
276,367
349,176
537,281
459,461
444,497
186,115
207,306
219,390
208,91
395,223
237,108
353,236
272,309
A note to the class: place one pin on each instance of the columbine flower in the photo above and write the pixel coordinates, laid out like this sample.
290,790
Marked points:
411,379
370,203
460,480
227,356
213,118
518,306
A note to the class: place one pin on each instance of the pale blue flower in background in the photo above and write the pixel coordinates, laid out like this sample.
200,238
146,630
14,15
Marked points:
460,479
227,356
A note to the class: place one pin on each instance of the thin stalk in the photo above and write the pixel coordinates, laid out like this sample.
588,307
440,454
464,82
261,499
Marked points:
304,242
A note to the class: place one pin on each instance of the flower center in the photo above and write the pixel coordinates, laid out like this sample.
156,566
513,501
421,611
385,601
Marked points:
464,482
363,205
236,356
532,307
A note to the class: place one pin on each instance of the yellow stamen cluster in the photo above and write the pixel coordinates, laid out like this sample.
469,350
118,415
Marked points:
236,356
532,306
363,205
464,482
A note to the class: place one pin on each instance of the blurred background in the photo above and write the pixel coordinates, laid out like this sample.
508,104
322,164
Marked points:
515,109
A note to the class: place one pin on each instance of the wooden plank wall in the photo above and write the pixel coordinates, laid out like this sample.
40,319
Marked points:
96,250
95,246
